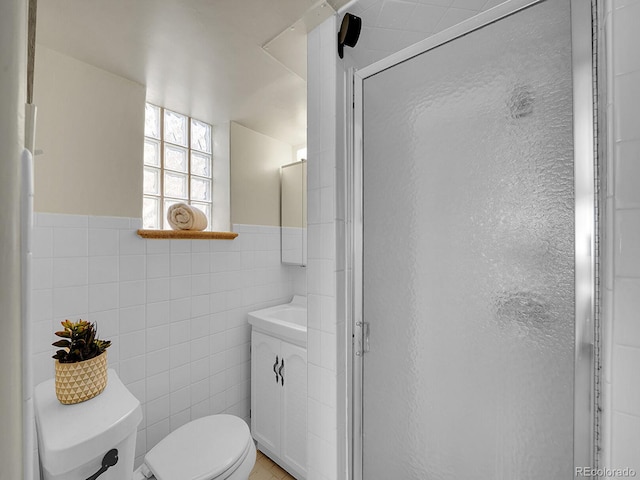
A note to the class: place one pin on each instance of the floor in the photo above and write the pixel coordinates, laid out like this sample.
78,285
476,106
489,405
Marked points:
266,469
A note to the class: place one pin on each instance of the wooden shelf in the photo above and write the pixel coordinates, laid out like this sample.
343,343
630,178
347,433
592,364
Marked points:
186,234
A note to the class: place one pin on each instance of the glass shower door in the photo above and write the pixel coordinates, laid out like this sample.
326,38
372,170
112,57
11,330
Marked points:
468,256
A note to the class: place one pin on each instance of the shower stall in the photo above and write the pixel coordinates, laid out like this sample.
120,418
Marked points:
473,251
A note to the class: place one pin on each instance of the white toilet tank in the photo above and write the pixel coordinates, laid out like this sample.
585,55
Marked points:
74,439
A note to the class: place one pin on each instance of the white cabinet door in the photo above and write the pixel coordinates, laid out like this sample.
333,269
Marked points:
266,390
293,449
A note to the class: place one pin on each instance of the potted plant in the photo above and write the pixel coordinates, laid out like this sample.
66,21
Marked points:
81,363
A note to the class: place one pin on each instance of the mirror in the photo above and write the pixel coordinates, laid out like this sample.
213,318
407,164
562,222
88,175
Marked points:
293,213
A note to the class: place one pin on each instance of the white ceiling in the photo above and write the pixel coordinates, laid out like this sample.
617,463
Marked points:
199,57
239,60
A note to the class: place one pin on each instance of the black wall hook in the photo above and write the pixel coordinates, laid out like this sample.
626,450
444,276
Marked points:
349,32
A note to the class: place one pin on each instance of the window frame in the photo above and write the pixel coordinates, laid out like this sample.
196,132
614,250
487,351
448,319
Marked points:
162,142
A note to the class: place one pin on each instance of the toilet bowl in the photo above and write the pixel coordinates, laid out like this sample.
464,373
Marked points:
76,441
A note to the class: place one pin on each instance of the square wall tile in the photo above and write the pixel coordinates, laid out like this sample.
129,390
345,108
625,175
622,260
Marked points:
201,409
103,269
627,305
200,326
158,290
158,409
70,301
199,392
157,361
157,247
180,287
627,107
132,369
42,242
180,400
113,223
180,246
157,314
200,262
132,267
158,338
132,344
200,284
180,264
180,329
42,305
627,255
199,370
107,322
625,37
180,419
103,241
157,386
157,432
70,242
625,385
129,243
70,271
62,220
132,319
627,172
625,441
132,293
179,377
103,297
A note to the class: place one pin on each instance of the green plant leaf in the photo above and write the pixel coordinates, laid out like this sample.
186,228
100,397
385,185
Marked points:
83,343
60,355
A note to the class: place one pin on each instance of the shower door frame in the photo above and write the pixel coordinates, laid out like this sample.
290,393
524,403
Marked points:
585,412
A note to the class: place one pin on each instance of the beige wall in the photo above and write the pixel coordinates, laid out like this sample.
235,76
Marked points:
90,127
255,176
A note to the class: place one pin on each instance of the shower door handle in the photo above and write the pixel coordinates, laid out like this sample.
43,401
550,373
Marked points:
365,335
363,342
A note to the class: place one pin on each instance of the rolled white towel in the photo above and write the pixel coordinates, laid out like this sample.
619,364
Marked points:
185,217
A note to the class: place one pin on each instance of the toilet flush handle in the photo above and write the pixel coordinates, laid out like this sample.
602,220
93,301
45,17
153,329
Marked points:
109,460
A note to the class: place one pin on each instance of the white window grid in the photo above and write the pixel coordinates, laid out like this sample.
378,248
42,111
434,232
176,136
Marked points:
187,177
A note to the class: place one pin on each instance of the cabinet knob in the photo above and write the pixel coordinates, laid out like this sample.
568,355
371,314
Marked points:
280,372
275,365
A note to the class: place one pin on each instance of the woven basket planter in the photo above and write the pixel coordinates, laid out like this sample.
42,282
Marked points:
80,381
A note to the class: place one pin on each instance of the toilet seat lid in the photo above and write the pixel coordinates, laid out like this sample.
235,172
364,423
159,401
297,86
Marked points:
203,449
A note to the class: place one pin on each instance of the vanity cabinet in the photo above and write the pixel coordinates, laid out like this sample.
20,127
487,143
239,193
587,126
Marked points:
279,401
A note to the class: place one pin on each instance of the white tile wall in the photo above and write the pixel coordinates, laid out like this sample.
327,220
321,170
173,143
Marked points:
621,304
175,311
322,266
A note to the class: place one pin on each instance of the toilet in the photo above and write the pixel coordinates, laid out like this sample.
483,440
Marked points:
76,442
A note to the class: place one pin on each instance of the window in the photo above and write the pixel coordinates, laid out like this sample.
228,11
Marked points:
177,165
